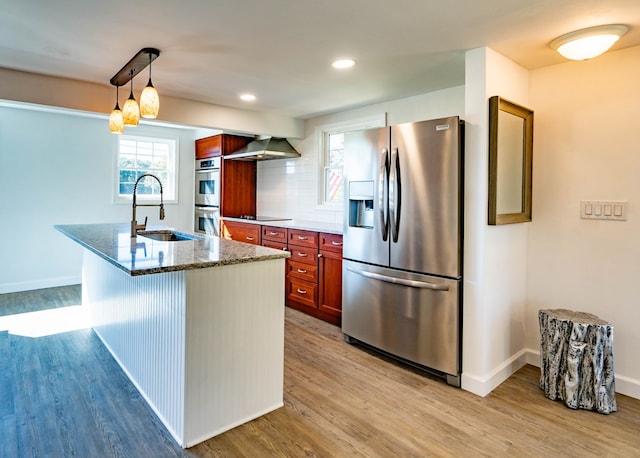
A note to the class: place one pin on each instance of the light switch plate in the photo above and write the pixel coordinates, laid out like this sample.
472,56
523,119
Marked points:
615,210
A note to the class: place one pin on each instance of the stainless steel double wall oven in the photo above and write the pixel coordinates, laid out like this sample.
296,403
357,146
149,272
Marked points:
207,196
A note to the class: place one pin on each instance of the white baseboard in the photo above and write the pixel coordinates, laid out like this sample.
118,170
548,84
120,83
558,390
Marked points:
40,284
482,386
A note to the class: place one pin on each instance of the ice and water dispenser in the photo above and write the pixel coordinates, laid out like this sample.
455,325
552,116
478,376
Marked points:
361,204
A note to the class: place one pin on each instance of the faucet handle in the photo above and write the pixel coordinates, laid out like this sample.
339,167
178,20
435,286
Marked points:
161,211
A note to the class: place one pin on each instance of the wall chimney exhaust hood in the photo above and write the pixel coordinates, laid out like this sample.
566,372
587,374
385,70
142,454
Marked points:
265,149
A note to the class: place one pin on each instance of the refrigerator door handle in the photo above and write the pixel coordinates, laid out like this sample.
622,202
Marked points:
394,194
400,281
383,191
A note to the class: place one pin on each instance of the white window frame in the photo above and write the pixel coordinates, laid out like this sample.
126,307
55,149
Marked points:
170,188
322,140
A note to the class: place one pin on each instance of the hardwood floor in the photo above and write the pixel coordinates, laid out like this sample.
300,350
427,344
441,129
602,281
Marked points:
63,395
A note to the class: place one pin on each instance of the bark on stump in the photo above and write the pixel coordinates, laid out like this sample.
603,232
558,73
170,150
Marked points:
576,353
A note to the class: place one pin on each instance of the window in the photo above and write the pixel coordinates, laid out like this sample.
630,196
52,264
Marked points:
140,155
333,191
332,156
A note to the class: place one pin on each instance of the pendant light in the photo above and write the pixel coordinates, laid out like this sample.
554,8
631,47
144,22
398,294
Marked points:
588,43
131,110
149,100
116,121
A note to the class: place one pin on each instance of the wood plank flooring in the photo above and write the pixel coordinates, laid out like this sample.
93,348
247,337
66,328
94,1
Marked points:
63,395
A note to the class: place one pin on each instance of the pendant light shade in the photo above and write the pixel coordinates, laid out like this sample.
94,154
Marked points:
116,121
131,110
588,43
149,100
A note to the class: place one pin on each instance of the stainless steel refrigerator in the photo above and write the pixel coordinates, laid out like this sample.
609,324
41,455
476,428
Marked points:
402,268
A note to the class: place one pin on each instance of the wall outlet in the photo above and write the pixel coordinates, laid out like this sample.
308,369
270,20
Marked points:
604,209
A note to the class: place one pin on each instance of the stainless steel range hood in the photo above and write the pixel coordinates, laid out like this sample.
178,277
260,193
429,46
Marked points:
265,149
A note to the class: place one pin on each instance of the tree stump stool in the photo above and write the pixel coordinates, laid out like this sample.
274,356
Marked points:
576,352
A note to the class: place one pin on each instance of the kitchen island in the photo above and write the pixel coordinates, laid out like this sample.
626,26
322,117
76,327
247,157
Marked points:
196,324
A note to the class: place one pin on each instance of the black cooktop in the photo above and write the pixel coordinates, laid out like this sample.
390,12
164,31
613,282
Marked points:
264,218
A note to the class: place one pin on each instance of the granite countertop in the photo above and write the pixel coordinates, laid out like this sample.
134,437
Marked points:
143,256
317,226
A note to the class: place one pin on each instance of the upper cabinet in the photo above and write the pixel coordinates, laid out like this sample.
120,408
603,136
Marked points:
220,145
237,178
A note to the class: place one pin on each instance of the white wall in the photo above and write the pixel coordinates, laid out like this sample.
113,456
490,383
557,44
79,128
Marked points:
586,147
495,257
290,187
58,168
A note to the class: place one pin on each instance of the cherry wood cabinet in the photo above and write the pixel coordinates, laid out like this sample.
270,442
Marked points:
314,274
313,277
241,232
219,145
274,237
237,178
330,271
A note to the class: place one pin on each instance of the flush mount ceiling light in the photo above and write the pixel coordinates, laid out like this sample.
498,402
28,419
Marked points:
343,63
588,43
149,100
247,97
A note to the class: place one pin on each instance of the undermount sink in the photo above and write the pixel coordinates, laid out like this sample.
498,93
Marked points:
168,235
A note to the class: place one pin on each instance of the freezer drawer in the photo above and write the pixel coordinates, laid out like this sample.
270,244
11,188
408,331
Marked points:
412,316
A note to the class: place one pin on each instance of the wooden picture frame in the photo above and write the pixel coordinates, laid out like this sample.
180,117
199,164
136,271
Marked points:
510,162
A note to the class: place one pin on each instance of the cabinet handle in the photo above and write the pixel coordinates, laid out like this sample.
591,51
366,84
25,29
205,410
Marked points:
302,291
319,255
302,255
250,238
300,237
302,271
273,233
336,243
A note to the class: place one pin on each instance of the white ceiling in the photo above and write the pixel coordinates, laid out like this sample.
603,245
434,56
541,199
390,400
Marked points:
281,50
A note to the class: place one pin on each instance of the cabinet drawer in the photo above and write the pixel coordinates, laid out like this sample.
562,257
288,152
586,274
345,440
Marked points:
331,242
303,292
303,271
274,244
278,234
303,255
247,233
303,238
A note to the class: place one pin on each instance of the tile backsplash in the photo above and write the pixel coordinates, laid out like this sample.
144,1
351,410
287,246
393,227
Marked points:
289,188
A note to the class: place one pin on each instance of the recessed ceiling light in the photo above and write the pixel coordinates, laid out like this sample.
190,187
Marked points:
247,97
588,43
343,63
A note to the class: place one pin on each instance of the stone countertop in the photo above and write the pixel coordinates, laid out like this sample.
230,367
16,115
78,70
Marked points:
316,226
143,256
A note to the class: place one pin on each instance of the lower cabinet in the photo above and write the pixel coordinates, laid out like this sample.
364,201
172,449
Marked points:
330,271
240,232
313,280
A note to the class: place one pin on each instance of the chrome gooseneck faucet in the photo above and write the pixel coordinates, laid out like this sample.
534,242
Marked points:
135,227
